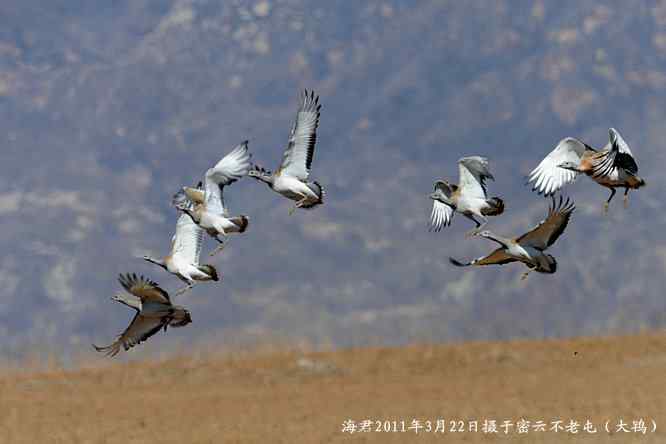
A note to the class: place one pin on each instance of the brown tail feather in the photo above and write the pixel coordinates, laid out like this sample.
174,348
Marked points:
496,207
242,222
210,271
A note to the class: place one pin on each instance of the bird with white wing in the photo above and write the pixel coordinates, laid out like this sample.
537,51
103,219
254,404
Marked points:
614,166
206,207
183,261
154,311
468,198
291,178
528,248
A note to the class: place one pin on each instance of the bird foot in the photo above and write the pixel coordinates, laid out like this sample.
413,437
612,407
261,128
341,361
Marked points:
605,209
472,233
524,275
183,290
218,249
626,201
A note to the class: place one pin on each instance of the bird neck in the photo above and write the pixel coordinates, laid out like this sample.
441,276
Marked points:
445,199
159,262
192,214
133,303
266,178
499,239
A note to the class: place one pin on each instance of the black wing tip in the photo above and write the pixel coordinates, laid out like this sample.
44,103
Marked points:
310,100
562,206
128,280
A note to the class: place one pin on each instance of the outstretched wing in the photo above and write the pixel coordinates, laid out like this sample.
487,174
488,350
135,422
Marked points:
143,288
546,233
441,213
548,177
497,257
188,240
473,174
297,158
618,156
140,329
232,167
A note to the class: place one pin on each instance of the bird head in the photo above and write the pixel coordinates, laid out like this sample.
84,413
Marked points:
258,171
181,201
571,166
484,233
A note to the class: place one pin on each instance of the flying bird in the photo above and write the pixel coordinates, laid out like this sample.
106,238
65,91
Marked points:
154,311
613,167
291,178
206,207
183,261
529,248
467,198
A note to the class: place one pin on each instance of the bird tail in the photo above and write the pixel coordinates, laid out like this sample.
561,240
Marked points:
495,207
320,191
241,222
210,271
457,263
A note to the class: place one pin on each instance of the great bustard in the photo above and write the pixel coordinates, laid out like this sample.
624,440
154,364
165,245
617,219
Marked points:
529,248
467,198
154,311
209,211
183,261
613,167
291,178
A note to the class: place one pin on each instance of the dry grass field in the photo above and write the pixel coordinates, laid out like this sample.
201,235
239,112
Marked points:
298,397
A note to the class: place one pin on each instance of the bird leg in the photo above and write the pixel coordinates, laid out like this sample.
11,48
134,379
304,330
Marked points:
298,205
183,290
626,198
608,201
219,247
478,227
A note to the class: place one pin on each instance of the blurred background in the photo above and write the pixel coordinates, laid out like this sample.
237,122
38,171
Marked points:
107,108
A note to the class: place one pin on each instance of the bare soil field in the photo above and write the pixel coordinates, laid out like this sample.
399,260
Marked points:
298,397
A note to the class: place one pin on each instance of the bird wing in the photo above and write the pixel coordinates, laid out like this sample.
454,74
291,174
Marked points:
497,257
297,158
140,329
143,288
229,169
618,156
473,174
546,233
188,240
441,213
548,177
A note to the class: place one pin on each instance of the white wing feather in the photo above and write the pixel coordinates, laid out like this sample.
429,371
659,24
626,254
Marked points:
232,167
548,177
188,240
441,215
473,174
297,158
